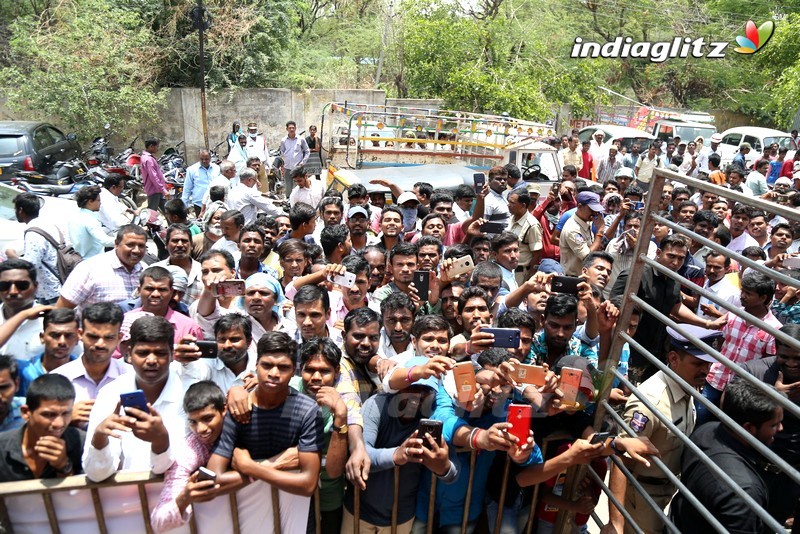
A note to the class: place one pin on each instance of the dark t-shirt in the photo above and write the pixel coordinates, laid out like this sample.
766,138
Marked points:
296,423
13,466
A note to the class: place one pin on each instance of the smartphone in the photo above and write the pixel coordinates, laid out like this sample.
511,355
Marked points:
208,348
464,376
638,206
782,198
230,288
206,474
492,228
422,280
519,415
347,280
432,427
134,399
570,385
600,437
461,266
479,179
506,338
529,374
792,262
565,284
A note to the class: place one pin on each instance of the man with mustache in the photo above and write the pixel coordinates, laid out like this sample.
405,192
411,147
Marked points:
179,246
109,277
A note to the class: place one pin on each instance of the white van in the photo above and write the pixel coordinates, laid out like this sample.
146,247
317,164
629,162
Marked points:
666,129
627,136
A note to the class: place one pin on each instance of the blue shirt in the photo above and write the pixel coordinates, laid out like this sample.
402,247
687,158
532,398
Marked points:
14,418
196,183
87,235
30,371
774,171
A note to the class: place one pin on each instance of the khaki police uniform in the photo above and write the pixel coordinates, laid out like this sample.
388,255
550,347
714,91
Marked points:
672,401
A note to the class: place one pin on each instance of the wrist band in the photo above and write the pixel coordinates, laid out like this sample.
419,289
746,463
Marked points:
408,376
471,437
474,440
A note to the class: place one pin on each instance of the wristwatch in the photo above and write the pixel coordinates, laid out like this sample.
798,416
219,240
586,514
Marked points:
340,429
66,470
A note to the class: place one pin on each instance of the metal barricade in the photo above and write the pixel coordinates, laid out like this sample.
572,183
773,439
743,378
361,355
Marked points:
631,299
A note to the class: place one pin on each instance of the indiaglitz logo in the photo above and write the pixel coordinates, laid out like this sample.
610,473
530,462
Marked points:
754,39
679,47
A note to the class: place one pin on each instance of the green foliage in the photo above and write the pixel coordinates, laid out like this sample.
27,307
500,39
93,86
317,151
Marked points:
88,63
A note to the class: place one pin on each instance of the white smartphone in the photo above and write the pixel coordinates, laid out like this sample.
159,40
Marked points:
461,266
347,280
792,262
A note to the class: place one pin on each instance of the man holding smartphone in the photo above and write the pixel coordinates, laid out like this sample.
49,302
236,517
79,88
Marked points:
578,239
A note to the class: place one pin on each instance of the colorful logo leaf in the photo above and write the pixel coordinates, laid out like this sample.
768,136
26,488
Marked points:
754,39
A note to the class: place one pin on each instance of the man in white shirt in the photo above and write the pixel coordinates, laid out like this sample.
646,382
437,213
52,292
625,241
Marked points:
717,265
17,291
226,178
37,249
95,369
139,440
247,199
596,149
740,220
645,166
198,178
113,213
307,189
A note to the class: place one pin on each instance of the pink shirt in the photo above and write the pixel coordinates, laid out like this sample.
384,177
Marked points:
166,515
183,326
152,177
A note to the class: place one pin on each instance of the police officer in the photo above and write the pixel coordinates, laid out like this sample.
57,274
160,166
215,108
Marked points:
691,364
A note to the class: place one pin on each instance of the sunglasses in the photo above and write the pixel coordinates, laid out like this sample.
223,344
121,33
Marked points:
21,285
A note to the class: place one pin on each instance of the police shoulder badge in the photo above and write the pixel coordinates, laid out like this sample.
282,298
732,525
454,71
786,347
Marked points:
639,421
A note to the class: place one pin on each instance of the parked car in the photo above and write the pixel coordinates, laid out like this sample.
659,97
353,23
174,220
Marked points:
732,138
666,129
33,146
627,136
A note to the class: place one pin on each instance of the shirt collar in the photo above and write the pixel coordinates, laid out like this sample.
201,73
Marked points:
675,390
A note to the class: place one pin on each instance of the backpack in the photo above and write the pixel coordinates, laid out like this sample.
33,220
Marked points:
66,256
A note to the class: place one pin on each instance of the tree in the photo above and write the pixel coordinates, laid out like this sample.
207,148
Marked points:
86,63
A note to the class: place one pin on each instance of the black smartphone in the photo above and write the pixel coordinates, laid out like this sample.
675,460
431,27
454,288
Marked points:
506,338
134,399
493,228
432,427
565,284
600,437
208,348
479,179
422,280
206,474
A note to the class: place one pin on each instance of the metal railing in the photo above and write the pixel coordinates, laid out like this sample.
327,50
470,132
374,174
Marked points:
631,300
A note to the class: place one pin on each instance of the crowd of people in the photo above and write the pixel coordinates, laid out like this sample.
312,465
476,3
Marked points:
320,348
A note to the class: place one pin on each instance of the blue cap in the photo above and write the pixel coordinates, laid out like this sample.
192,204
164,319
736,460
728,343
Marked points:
549,265
431,382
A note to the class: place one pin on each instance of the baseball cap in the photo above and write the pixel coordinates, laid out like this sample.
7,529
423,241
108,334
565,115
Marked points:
405,197
624,171
745,145
712,338
356,210
549,265
716,138
587,198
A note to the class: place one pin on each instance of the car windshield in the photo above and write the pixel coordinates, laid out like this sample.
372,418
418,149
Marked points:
10,146
546,161
688,133
783,142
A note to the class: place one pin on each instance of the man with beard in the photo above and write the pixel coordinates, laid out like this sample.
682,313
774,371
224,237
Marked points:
358,223
330,210
401,266
442,204
691,364
740,221
505,253
397,314
780,240
234,334
705,222
716,266
95,368
783,372
449,300
212,222
156,293
179,242
312,309
391,227
429,253
376,258
362,336
557,338
269,257
758,228
473,314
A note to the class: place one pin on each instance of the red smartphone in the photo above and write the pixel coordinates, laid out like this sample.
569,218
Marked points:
519,415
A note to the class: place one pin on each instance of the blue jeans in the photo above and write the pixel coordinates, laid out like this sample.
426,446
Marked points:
703,414
515,517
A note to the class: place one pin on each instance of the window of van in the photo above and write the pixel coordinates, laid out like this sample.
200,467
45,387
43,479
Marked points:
755,142
732,139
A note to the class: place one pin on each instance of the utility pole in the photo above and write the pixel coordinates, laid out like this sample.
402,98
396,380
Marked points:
202,24
384,41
